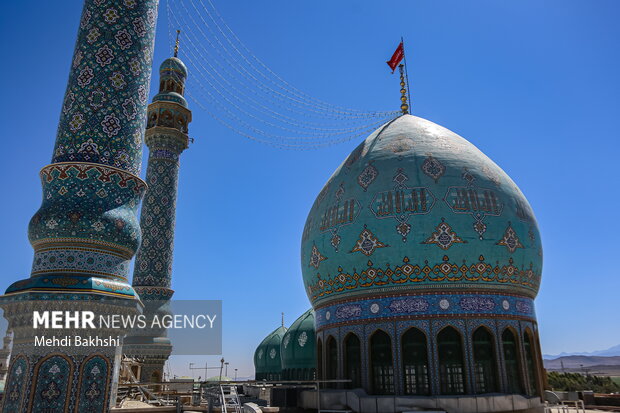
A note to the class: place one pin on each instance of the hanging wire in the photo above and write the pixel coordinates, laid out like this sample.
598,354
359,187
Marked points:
238,90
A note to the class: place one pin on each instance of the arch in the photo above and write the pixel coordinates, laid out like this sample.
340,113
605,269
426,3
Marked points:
530,362
152,119
167,119
415,362
512,362
485,366
381,363
53,376
319,358
451,364
353,360
331,358
15,385
93,387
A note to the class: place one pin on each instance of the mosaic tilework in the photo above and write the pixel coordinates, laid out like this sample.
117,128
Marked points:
430,327
52,382
440,210
43,287
445,274
86,230
92,392
154,259
87,222
104,109
15,384
166,138
421,306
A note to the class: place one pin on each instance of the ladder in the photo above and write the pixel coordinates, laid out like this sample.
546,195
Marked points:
229,399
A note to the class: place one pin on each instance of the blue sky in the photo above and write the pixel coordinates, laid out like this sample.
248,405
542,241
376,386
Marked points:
533,84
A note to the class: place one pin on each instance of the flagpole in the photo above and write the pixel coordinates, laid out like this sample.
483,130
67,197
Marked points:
402,40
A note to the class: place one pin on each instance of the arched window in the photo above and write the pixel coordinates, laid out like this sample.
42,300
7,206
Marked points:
353,360
485,367
511,362
415,362
319,359
381,365
451,366
532,371
331,358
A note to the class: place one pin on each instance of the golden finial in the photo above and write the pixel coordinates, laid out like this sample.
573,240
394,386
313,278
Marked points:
176,45
404,107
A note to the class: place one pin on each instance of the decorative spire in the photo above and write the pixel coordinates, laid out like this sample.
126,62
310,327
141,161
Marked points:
282,319
404,107
176,44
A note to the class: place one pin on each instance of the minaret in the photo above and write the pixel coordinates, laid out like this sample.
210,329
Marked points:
86,231
166,138
5,353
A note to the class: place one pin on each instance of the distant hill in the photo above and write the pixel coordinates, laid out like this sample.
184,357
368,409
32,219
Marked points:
577,362
595,365
610,352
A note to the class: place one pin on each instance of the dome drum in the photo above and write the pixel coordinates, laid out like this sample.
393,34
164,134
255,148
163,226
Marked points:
517,363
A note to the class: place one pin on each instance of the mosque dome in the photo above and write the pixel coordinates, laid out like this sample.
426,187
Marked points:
173,65
267,358
298,349
416,208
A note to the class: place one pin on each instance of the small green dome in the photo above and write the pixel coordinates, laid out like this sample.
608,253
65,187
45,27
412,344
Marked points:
173,65
298,347
267,358
217,378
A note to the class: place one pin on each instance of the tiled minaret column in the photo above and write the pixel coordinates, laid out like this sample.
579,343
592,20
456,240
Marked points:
86,230
5,354
166,137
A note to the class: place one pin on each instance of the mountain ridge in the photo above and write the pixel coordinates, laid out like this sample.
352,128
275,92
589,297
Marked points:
610,352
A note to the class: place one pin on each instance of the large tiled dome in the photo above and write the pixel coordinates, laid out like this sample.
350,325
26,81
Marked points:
416,209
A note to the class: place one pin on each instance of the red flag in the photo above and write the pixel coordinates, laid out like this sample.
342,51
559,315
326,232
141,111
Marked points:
398,55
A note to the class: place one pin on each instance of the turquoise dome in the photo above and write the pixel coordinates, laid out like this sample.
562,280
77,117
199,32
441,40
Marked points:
415,207
174,65
298,346
267,358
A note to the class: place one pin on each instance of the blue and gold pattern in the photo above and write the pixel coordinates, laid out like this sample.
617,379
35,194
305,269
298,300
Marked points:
102,118
424,306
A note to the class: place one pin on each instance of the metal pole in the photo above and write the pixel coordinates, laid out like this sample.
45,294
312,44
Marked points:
406,74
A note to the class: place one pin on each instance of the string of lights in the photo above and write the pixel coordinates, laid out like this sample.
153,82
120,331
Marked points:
238,90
